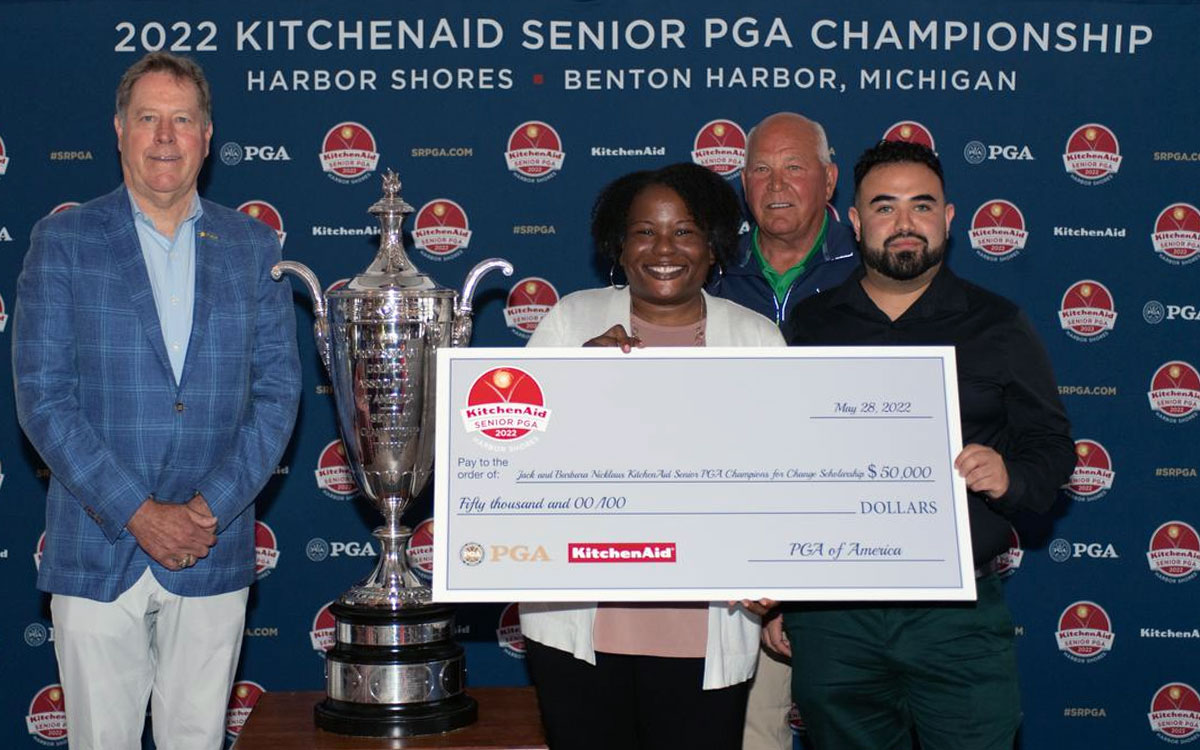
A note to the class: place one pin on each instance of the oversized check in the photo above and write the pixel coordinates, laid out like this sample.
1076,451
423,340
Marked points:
699,474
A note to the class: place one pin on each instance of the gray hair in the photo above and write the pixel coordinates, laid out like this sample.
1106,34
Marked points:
823,153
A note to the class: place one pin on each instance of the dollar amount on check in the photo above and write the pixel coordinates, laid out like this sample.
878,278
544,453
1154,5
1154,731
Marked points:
699,474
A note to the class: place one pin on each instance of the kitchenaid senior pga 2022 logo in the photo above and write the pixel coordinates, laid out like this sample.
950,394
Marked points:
504,405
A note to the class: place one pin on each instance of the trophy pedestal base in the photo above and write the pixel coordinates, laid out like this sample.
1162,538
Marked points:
394,673
361,720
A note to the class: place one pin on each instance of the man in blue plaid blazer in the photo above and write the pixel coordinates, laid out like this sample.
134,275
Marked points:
157,375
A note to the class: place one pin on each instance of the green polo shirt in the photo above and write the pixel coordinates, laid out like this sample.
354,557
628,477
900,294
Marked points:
781,282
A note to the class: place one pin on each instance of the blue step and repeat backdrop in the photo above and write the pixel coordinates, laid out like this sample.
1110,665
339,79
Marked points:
1067,130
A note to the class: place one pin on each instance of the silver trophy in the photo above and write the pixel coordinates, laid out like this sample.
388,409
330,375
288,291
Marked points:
394,670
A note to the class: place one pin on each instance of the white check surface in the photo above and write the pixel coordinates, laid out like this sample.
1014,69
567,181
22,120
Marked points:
699,474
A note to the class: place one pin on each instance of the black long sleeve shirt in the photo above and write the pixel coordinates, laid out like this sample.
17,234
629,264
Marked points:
1007,393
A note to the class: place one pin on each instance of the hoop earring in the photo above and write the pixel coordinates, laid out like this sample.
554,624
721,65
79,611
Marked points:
715,281
612,274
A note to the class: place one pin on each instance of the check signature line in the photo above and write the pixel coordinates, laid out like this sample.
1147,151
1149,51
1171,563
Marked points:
861,560
876,416
677,513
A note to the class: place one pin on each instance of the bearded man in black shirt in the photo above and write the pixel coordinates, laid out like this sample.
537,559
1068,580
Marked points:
869,676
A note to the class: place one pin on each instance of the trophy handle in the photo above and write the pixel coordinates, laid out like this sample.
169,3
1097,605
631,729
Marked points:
461,332
321,323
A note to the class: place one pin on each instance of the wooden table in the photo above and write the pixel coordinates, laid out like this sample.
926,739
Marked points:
508,720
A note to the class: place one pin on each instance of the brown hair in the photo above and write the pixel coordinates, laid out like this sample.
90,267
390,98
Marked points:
181,68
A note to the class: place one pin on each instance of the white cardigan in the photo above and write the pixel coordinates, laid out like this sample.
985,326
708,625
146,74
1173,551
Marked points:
733,633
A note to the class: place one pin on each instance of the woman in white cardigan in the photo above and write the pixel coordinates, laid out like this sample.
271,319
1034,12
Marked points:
630,675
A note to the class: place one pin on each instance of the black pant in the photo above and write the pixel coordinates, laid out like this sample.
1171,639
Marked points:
632,702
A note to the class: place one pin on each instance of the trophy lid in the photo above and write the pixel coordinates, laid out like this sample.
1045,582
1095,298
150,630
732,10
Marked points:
392,270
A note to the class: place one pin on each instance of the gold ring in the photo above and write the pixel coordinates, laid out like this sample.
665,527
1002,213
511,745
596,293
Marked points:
188,560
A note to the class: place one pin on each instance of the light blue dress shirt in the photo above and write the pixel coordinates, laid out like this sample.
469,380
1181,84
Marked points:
171,265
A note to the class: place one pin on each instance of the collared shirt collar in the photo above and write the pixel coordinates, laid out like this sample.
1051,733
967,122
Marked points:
195,211
944,294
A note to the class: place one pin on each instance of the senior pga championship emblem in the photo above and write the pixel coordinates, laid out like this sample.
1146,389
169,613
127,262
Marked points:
720,145
47,717
910,131
998,231
1084,632
1176,234
535,152
1092,155
1175,713
242,700
267,214
1087,312
528,302
442,231
1093,475
1175,392
1174,553
348,153
505,404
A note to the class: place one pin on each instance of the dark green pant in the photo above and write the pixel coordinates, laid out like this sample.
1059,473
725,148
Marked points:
865,677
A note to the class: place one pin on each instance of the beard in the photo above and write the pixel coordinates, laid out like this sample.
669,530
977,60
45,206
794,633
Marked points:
905,265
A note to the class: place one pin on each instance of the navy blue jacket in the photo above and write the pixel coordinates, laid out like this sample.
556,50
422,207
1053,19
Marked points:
744,283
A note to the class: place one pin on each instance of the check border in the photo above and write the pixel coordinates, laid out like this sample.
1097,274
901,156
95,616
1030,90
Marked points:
448,440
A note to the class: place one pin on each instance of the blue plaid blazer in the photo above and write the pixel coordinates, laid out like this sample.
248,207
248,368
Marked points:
97,398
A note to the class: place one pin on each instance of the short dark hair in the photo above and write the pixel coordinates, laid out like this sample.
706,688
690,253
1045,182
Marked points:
708,197
897,152
180,68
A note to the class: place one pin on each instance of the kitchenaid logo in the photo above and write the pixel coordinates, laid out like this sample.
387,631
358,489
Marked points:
621,552
629,151
1089,232
1169,633
369,230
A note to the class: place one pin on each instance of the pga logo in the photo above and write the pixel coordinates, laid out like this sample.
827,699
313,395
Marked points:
319,550
1155,312
518,553
1061,550
233,153
977,153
